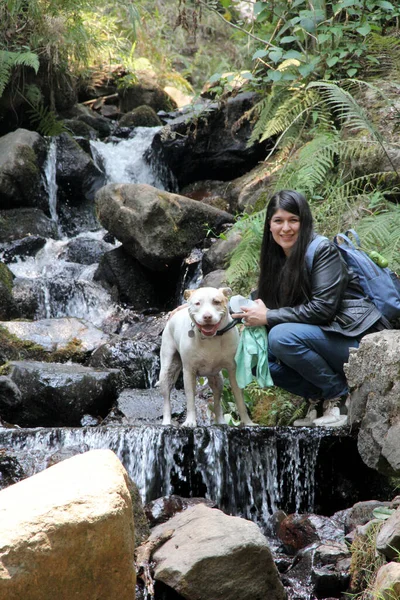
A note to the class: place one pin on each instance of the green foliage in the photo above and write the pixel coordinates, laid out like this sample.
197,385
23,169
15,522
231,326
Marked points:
380,231
228,402
329,166
275,407
365,561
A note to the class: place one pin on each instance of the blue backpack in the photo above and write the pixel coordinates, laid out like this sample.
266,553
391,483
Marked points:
380,284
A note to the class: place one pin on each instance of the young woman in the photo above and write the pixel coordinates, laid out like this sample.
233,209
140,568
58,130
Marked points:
313,318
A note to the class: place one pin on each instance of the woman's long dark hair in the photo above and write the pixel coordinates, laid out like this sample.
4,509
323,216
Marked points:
283,280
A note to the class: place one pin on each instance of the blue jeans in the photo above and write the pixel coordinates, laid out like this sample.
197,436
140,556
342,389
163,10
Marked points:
307,361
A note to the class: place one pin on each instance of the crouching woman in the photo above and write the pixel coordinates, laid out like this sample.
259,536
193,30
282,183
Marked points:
313,315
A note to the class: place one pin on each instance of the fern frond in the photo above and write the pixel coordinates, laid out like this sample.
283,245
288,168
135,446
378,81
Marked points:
345,106
8,60
381,232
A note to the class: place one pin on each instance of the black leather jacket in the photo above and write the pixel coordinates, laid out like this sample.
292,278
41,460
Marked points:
337,301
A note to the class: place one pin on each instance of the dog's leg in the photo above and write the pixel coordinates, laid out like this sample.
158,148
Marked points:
189,383
171,367
238,394
216,383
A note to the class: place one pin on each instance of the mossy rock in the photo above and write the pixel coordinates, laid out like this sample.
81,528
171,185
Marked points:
13,348
6,277
142,116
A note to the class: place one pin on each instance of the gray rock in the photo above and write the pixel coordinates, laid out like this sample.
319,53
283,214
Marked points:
57,334
138,360
217,256
22,222
231,550
156,227
55,395
388,538
22,154
373,376
78,178
215,279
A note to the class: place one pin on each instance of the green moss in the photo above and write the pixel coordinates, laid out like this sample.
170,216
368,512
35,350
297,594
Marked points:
6,277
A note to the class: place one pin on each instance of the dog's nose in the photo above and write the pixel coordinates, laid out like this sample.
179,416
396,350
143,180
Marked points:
207,316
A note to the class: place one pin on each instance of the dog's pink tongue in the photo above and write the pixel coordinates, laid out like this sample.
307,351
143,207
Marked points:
209,329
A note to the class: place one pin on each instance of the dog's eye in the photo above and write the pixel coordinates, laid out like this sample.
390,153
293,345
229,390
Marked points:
218,302
197,303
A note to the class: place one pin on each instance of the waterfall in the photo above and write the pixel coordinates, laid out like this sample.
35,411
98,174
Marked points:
129,161
50,178
249,471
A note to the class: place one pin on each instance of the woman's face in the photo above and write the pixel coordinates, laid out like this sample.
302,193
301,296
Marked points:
285,228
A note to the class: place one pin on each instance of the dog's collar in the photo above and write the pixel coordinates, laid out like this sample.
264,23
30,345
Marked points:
230,325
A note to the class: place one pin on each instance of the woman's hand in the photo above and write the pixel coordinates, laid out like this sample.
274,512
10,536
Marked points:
254,316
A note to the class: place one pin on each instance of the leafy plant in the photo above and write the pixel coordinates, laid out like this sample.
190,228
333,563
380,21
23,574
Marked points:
365,561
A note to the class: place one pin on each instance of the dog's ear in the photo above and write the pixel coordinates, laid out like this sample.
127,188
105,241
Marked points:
226,291
187,294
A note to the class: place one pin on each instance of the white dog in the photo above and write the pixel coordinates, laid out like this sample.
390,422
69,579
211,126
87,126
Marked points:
201,339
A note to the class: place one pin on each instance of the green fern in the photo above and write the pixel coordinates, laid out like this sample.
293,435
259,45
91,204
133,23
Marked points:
381,232
9,60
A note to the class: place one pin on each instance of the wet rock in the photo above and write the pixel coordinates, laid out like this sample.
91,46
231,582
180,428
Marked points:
22,155
202,535
100,124
156,227
77,176
29,297
138,407
66,453
85,251
297,531
160,510
137,360
126,278
374,402
58,334
11,470
55,395
22,222
27,246
66,528
211,147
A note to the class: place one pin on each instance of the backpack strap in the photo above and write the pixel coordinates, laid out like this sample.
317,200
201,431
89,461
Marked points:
310,252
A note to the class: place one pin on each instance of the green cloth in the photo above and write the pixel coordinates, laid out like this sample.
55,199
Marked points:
253,352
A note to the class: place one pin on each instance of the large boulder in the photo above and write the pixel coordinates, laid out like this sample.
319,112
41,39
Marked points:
22,155
69,531
373,376
156,227
387,582
232,550
56,395
212,145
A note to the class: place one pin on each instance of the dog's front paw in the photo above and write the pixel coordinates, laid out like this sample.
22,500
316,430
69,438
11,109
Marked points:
248,423
189,423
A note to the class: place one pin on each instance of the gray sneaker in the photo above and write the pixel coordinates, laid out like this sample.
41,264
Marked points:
310,417
332,416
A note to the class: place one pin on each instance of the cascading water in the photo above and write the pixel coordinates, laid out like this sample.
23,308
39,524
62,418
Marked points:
249,472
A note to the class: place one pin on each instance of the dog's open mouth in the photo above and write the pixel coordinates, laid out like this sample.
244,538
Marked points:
209,329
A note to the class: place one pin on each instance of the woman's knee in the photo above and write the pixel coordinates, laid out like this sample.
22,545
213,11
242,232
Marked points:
281,336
